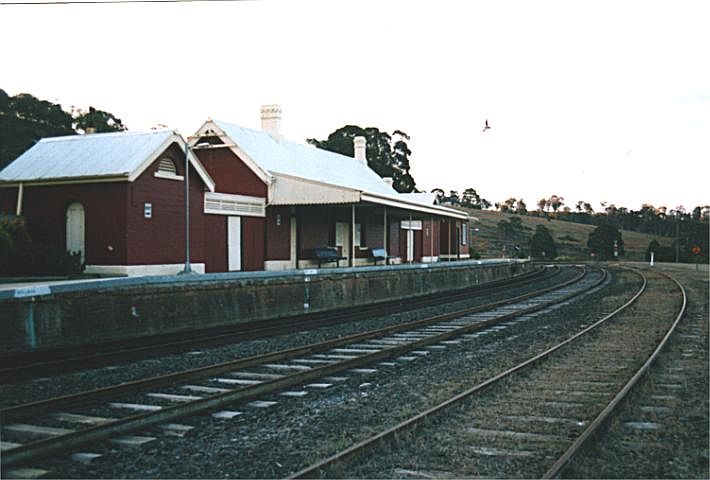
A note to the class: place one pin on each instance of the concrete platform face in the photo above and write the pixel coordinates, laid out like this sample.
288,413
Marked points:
68,314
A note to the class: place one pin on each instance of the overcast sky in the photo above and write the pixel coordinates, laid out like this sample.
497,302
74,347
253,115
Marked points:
594,101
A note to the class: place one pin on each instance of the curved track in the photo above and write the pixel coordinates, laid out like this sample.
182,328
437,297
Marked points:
212,387
529,420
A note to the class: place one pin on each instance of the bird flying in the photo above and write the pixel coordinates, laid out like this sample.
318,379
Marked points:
486,127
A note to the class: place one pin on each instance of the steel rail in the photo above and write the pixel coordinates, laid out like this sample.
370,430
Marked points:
413,422
25,365
605,414
49,446
29,410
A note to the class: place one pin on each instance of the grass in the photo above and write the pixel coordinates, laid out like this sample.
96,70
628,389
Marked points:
571,238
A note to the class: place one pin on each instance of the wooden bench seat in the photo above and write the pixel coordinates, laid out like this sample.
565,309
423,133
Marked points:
327,255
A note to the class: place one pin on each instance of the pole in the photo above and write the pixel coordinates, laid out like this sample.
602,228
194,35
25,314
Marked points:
187,268
386,239
20,192
352,237
677,239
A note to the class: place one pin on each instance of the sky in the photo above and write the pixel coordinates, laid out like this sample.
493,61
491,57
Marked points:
598,101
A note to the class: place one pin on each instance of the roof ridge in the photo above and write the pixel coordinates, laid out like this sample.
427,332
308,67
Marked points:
122,133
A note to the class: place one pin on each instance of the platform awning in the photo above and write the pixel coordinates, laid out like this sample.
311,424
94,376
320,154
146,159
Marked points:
288,190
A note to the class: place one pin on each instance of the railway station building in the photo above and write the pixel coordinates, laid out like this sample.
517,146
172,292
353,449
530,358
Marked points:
257,202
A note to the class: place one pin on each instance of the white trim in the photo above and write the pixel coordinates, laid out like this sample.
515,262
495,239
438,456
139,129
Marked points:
194,161
278,265
143,270
168,176
291,190
392,201
66,181
410,224
209,124
229,204
453,256
430,259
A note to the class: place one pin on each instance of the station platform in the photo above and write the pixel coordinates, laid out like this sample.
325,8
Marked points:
51,314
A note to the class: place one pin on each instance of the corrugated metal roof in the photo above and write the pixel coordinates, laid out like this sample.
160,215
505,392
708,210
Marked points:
420,197
76,156
305,161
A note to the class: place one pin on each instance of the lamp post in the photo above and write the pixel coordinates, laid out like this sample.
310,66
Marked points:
188,268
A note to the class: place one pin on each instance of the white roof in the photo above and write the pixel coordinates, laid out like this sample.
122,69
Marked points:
421,197
304,161
304,174
120,155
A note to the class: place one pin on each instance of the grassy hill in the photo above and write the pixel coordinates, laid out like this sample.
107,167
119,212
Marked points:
571,238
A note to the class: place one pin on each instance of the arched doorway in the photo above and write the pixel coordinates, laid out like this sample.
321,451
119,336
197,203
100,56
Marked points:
75,229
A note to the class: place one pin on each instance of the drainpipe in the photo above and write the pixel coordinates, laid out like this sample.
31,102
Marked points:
386,245
20,192
410,230
448,248
431,238
352,237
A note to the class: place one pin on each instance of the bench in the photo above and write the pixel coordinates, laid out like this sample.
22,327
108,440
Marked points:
379,254
327,255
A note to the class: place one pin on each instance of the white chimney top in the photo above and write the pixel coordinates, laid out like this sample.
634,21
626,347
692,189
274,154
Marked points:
360,146
271,120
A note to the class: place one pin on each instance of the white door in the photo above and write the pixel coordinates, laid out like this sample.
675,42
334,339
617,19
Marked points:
234,243
294,252
410,245
342,238
75,229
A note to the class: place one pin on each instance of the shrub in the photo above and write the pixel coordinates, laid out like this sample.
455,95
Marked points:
19,255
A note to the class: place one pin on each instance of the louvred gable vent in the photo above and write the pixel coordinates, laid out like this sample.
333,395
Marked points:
167,166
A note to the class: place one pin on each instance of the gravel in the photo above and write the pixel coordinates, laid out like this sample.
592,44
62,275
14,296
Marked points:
64,384
279,440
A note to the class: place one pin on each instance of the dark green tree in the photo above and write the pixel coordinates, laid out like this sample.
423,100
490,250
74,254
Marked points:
388,155
542,245
602,240
470,198
452,198
24,120
439,194
98,120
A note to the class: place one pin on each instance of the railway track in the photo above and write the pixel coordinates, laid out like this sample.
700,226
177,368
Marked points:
533,418
211,388
30,365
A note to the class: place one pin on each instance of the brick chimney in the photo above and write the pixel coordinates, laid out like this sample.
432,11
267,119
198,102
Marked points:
271,120
360,146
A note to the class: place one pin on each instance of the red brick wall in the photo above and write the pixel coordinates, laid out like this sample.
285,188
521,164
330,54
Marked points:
44,209
253,243
230,174
313,230
8,200
393,248
215,235
465,248
161,239
278,237
430,242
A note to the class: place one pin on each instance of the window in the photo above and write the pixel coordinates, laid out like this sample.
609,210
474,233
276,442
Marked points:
167,169
464,234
